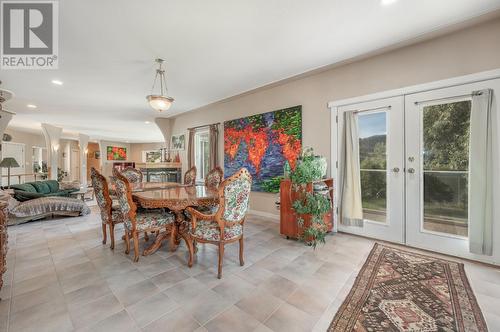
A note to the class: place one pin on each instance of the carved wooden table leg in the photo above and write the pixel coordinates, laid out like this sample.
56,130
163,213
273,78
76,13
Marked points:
156,244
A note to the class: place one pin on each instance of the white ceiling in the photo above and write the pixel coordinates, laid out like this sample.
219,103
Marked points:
213,49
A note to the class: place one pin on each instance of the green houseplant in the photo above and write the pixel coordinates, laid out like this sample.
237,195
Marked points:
309,169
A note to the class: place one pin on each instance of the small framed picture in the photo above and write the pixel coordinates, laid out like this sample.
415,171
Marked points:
178,142
97,155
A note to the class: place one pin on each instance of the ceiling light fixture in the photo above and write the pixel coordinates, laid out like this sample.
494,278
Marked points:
147,122
31,106
387,2
57,82
160,102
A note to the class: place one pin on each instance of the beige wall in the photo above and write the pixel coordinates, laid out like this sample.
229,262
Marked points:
464,52
92,148
29,140
137,148
107,165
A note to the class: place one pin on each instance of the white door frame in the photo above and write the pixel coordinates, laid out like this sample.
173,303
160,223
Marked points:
393,229
406,91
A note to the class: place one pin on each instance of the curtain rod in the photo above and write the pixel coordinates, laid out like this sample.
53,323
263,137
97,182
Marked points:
372,109
208,125
475,93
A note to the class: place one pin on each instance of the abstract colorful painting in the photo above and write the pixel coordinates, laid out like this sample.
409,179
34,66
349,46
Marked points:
263,143
116,153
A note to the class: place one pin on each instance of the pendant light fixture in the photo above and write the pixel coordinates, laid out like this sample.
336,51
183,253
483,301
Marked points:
160,102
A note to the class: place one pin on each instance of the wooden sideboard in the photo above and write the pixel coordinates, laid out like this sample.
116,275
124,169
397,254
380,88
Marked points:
3,240
289,226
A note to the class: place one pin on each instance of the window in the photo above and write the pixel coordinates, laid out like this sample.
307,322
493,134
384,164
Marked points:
446,167
373,164
201,154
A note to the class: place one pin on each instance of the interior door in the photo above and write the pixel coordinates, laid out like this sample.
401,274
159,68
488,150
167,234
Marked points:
16,151
437,166
75,165
381,150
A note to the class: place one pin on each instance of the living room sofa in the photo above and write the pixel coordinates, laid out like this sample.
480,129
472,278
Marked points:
38,189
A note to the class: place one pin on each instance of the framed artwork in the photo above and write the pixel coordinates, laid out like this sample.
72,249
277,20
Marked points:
116,153
263,143
97,155
152,156
178,142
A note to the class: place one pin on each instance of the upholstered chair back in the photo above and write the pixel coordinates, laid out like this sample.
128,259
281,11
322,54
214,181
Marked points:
126,205
234,196
190,176
133,175
101,192
214,177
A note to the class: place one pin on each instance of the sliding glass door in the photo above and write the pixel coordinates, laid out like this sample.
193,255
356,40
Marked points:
380,141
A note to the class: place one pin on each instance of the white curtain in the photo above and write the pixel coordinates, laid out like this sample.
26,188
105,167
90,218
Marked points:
351,210
481,174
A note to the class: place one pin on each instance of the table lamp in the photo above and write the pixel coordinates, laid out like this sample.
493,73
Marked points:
8,162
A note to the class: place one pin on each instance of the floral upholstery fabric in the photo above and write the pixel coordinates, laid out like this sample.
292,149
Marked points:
99,183
132,175
237,194
121,196
153,219
214,178
210,231
190,176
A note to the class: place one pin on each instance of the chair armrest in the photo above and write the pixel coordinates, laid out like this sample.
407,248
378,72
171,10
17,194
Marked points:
199,215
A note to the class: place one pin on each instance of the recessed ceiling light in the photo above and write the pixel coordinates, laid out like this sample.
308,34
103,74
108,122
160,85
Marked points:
31,106
147,122
387,2
57,82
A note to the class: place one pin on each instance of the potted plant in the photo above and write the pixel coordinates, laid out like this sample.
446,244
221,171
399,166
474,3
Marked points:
309,168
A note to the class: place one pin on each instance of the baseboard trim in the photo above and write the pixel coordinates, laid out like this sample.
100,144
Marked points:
274,217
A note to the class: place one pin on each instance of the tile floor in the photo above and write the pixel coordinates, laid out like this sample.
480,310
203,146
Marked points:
61,278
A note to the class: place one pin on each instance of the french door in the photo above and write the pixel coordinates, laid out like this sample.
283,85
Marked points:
381,149
414,168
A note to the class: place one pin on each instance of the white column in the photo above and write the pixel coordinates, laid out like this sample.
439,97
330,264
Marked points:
166,129
83,141
52,135
5,117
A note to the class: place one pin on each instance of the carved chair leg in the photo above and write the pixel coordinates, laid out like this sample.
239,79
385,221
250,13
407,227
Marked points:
136,246
146,236
104,236
242,262
221,259
112,234
127,242
189,243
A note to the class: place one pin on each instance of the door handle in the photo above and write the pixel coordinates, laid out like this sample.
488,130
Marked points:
395,169
411,170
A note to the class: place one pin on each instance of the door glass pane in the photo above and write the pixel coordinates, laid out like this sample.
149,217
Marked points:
202,154
446,165
373,163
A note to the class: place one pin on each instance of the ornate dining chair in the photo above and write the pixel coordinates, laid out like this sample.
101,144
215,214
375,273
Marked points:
137,222
190,176
110,216
214,177
226,225
133,175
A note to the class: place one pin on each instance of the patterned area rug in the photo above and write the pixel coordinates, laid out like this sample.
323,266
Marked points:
398,290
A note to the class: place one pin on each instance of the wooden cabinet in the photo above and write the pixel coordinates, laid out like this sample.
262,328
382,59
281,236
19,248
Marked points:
288,219
3,240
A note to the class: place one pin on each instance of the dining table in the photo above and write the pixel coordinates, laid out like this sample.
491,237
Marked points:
176,198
